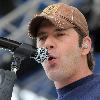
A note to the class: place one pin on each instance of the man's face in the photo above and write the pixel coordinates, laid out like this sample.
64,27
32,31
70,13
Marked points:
63,49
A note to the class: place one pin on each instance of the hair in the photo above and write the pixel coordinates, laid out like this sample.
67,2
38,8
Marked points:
90,57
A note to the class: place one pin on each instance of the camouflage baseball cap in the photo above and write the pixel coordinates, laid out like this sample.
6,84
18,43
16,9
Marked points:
62,16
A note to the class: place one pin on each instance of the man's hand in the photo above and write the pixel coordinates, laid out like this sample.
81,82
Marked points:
7,81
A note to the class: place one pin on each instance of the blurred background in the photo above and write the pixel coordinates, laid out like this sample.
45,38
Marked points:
32,83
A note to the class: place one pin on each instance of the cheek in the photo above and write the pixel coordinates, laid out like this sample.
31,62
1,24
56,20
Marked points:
44,64
38,44
69,51
69,47
69,43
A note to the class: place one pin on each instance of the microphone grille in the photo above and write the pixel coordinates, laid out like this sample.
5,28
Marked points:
41,55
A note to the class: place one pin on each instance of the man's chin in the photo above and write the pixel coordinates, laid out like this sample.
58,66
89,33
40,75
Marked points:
52,76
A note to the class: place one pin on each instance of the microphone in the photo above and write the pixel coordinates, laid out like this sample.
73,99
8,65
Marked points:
24,50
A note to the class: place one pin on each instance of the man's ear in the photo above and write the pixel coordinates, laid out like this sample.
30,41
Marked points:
86,45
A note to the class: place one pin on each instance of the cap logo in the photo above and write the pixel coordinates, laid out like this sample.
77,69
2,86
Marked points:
51,9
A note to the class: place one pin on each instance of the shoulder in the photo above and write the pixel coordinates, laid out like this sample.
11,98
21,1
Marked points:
94,84
96,77
95,81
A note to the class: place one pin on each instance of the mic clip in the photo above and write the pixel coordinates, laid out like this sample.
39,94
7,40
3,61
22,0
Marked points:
20,54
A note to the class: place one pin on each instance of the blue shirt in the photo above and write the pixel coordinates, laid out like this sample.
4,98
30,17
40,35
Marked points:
87,88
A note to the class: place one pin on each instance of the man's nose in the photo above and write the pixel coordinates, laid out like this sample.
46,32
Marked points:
49,43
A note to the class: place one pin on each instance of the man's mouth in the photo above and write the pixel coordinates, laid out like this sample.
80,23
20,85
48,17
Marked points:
51,57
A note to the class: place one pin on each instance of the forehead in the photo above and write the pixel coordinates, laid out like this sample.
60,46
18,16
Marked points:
45,30
49,30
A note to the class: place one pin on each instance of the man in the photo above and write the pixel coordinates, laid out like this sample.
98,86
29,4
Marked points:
63,30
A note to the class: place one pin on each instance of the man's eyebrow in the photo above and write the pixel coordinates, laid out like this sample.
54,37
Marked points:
41,33
59,29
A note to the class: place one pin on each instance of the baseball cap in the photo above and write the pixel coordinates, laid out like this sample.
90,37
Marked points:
62,16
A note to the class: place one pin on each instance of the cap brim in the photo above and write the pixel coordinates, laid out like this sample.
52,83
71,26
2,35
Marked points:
35,23
55,20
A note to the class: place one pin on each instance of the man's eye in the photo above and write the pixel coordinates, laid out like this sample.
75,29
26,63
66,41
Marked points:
60,34
42,38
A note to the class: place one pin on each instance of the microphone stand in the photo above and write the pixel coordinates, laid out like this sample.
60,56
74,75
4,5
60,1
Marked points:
19,55
8,77
20,51
23,50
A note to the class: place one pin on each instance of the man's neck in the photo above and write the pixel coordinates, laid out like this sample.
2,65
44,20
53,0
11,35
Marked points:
73,78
